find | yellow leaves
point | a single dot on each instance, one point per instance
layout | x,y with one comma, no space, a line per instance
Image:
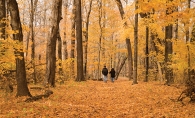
25,28
11,31
7,49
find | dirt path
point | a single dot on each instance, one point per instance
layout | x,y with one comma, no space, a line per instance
95,99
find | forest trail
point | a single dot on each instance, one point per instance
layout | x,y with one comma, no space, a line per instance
96,99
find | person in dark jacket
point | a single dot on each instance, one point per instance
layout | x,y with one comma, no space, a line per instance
105,73
112,74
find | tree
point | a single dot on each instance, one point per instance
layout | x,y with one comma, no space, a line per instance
22,89
147,54
86,37
128,42
33,7
51,42
72,53
193,34
59,53
80,76
2,19
100,15
188,41
135,44
65,52
168,49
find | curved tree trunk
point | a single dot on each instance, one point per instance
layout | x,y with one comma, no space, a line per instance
22,89
120,67
51,43
128,42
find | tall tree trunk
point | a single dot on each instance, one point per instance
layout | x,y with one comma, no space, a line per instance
51,43
65,51
80,76
86,38
193,34
31,32
22,89
176,26
33,42
168,53
100,38
135,44
65,54
59,54
2,18
147,54
72,53
168,50
128,43
129,58
188,42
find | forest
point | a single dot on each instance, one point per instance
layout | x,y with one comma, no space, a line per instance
52,53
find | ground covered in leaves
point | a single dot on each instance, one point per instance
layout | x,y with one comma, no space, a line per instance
95,99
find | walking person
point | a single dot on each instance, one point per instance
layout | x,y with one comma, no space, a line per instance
112,74
105,73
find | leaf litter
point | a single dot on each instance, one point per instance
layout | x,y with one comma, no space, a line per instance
96,99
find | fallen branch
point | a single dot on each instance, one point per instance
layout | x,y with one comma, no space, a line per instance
189,92
35,98
39,88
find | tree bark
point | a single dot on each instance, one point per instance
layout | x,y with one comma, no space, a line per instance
147,54
86,38
188,46
22,89
80,76
2,18
31,32
168,53
168,50
33,7
59,55
135,44
72,52
100,37
120,7
120,67
130,58
51,43
65,51
193,34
